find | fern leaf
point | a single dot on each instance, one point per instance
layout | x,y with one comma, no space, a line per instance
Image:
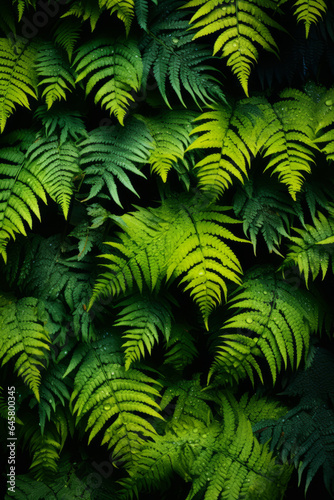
115,67
66,35
265,209
305,434
275,323
85,10
111,397
324,119
309,11
222,461
24,338
169,52
20,189
144,317
56,76
170,133
21,5
62,122
54,165
123,8
110,154
141,10
238,24
180,238
312,250
181,350
229,132
18,79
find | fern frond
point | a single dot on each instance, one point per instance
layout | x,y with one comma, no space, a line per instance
229,132
286,137
309,11
239,26
222,461
111,153
20,189
85,10
115,67
180,348
67,124
55,74
67,34
171,136
114,399
265,209
324,120
257,409
123,8
24,338
313,249
21,6
275,323
180,238
169,52
55,165
305,434
141,10
18,79
143,317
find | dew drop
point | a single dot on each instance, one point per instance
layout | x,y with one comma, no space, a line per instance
249,320
106,407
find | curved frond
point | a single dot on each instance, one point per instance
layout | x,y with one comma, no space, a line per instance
113,70
180,238
55,74
273,321
240,25
24,338
309,12
313,249
143,317
124,10
67,34
110,154
114,399
180,348
18,79
170,132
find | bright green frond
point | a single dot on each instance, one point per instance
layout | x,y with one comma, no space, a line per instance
182,238
109,157
55,74
240,25
313,249
113,70
22,4
54,164
309,12
324,120
23,338
170,132
115,400
123,8
20,189
143,317
87,10
18,79
228,135
274,321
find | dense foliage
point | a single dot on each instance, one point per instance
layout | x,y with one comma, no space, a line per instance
167,242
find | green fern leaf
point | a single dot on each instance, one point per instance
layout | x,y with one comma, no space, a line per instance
18,77
54,165
62,122
123,8
312,251
141,10
66,35
109,154
181,350
305,434
239,26
85,10
144,317
170,132
118,61
265,209
275,323
180,238
24,338
112,397
324,119
20,189
229,131
309,11
56,76
21,6
223,460
169,52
